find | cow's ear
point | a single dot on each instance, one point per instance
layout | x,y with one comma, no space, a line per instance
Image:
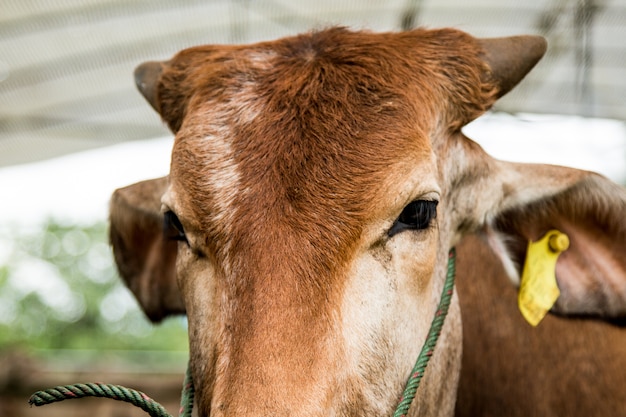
145,257
164,86
147,77
510,59
528,200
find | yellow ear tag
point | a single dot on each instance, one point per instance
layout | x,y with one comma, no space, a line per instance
538,289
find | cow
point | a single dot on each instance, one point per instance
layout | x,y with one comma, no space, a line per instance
317,184
566,366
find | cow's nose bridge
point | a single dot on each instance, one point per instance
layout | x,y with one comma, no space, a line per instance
415,376
271,349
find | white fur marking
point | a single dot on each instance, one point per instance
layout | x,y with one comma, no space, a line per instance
497,242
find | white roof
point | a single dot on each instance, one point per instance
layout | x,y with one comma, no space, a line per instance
66,66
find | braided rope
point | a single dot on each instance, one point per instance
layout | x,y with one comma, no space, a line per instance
431,340
119,393
188,394
115,392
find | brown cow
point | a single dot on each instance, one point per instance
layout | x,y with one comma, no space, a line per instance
564,367
317,183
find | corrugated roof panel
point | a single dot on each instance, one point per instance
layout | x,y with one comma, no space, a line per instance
66,66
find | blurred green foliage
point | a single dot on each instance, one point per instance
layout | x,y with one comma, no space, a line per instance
59,289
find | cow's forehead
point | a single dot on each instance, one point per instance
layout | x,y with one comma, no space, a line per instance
250,163
310,123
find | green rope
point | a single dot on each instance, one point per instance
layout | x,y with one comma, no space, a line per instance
431,340
116,392
187,396
154,409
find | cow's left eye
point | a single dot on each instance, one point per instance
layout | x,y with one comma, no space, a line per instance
173,228
417,215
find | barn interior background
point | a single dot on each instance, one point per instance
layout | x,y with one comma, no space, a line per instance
66,87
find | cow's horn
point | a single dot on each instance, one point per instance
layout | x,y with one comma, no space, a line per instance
147,78
511,58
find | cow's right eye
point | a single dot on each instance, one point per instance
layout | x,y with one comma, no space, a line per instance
173,228
418,215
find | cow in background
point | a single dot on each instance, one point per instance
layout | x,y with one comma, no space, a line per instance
566,366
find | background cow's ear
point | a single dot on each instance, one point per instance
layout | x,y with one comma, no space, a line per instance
590,209
145,258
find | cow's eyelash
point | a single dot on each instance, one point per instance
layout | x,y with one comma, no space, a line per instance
417,215
172,227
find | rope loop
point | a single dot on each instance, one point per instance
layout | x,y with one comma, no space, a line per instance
115,392
119,393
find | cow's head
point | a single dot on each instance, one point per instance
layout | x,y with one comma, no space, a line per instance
317,183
